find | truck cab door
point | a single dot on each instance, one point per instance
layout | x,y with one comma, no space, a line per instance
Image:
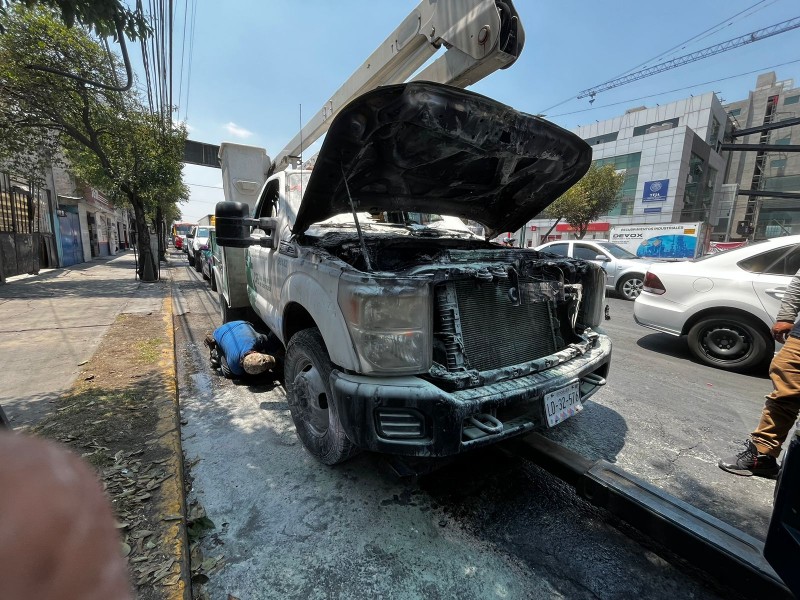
782,548
260,259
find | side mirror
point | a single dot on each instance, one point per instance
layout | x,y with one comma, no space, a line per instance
232,231
233,227
602,258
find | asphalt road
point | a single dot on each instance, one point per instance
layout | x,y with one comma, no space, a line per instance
486,526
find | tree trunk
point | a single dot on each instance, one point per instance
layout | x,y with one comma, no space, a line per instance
148,270
162,250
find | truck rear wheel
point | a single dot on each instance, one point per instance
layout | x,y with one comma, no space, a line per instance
228,314
307,379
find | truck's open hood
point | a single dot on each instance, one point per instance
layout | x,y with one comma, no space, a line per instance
426,147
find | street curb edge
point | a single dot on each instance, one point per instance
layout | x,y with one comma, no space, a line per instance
174,489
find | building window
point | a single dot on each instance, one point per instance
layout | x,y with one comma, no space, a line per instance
791,99
708,188
629,163
735,112
784,141
602,139
693,195
653,127
714,132
778,163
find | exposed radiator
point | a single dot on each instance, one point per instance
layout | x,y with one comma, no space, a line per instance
483,328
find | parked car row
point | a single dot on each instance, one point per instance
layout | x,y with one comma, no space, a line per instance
198,249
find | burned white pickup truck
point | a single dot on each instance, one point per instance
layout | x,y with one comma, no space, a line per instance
405,332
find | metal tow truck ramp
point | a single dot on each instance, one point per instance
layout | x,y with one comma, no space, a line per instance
724,552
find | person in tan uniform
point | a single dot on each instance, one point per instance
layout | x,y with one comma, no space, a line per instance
783,405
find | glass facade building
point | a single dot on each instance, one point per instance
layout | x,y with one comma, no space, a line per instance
670,158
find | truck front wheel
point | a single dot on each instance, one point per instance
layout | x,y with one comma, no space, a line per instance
307,377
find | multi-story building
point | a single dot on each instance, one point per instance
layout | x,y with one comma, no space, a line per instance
671,161
777,171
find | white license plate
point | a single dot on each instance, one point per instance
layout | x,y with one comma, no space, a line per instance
562,404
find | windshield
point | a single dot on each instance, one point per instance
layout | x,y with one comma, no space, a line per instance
415,222
616,251
296,184
202,232
182,229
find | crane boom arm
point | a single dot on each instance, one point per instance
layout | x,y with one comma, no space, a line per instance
480,37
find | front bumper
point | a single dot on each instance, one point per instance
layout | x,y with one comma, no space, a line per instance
413,417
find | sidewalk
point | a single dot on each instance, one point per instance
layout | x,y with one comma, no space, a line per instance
89,361
52,323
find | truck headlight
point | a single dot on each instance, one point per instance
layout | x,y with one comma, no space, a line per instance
390,324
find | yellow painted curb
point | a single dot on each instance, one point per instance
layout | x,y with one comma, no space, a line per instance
168,431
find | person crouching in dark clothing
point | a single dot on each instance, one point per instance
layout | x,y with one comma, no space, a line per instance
239,350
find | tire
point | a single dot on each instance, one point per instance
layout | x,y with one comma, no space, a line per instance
730,342
630,286
228,314
190,258
213,281
307,370
198,263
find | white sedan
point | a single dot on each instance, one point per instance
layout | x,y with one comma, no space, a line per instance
724,303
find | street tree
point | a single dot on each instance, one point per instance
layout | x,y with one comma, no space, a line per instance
104,17
110,139
594,195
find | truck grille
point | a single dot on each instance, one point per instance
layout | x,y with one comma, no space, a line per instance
483,329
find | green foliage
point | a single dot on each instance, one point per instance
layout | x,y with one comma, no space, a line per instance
110,139
102,16
594,195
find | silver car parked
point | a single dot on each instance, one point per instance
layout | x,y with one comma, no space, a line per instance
624,271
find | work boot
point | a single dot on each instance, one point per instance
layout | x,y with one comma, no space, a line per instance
751,462
210,342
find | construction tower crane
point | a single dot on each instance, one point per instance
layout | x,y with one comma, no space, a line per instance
742,40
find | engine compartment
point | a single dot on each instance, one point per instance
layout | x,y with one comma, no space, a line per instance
499,312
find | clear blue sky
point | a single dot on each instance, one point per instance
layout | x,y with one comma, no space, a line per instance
254,62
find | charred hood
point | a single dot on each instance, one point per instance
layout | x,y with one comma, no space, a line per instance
427,147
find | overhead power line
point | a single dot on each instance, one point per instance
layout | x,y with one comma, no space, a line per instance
737,42
710,31
702,35
686,87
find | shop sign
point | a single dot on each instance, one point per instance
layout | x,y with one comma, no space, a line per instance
566,227
655,191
